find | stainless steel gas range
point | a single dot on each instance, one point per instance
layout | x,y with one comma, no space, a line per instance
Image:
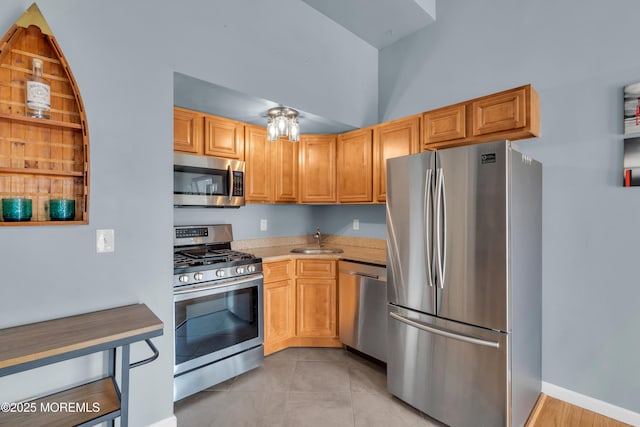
218,318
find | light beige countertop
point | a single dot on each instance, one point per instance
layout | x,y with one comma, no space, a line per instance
355,248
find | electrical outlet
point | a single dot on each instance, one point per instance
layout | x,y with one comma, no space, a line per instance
356,224
105,241
263,225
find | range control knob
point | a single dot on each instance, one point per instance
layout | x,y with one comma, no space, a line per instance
220,273
183,279
240,270
251,268
198,276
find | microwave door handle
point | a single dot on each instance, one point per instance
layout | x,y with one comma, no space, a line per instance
230,172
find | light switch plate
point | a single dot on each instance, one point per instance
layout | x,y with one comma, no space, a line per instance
263,225
105,241
356,224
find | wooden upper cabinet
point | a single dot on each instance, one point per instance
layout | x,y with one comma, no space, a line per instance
317,169
187,131
504,111
223,137
259,165
511,114
393,139
272,168
444,124
355,166
286,158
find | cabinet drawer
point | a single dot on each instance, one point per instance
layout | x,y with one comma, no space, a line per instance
444,124
316,268
505,111
277,270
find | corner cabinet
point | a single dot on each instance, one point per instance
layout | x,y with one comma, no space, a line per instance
38,344
300,304
41,159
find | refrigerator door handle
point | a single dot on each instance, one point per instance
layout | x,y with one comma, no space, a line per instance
441,232
426,224
445,333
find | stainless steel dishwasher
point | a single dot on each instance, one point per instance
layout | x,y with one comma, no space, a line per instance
362,301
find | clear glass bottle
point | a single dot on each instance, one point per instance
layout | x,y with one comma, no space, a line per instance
38,93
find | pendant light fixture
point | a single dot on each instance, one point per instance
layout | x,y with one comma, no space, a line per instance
283,121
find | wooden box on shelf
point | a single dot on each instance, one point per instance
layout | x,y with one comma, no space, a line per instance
41,159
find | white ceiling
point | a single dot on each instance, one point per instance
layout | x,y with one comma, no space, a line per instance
378,22
199,95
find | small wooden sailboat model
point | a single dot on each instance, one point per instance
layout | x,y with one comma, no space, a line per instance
41,159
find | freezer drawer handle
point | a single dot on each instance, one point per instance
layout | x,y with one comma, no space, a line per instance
443,333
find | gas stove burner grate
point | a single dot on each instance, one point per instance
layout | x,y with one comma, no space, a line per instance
205,256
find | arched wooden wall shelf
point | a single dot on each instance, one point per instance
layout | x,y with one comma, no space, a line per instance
41,159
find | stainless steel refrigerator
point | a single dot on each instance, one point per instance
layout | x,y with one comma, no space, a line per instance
464,283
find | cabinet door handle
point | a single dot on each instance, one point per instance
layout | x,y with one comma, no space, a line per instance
356,273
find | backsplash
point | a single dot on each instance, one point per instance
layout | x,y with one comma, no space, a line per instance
290,220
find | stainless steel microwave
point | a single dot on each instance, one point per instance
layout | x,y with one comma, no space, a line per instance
207,181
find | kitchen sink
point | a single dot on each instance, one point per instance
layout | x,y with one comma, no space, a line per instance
316,251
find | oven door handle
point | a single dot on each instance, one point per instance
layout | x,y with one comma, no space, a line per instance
216,288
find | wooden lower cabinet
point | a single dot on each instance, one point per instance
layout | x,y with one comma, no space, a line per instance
279,305
279,315
316,308
300,304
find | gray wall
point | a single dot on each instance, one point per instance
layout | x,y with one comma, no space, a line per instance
282,220
578,55
339,220
123,55
290,220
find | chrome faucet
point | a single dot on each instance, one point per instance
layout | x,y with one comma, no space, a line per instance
318,237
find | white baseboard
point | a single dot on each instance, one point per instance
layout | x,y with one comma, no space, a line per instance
172,421
595,405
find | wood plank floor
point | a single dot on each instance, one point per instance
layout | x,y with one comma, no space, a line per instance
550,412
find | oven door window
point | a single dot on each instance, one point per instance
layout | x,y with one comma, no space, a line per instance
200,183
207,324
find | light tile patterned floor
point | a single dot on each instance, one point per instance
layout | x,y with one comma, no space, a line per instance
302,387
